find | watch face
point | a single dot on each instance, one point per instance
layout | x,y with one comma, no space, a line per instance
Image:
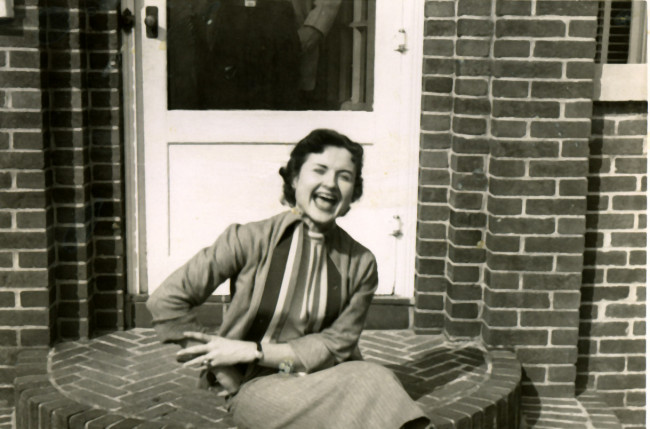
286,366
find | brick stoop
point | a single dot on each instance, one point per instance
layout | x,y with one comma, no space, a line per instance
129,380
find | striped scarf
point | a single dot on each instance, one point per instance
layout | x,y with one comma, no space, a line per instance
302,293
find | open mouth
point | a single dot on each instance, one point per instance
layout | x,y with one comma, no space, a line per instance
325,201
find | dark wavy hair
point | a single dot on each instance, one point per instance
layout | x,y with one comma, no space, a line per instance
316,142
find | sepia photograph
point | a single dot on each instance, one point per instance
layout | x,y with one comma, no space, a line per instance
315,214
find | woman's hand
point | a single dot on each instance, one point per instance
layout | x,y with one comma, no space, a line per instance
216,351
228,377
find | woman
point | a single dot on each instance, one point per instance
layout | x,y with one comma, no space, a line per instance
301,287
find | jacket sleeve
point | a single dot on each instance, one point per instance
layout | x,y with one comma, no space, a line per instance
337,343
173,304
322,16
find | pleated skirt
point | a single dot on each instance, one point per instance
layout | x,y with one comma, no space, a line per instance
354,395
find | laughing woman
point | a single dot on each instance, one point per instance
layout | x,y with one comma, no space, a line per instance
287,350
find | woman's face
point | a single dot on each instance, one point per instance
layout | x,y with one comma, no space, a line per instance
324,186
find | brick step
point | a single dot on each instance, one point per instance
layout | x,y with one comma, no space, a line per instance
129,380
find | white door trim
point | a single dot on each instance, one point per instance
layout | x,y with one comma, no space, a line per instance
411,123
134,207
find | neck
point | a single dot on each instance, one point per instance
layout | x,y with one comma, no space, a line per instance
312,226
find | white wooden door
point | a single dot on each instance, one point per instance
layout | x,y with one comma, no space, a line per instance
206,169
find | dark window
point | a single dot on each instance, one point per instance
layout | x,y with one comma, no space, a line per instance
270,54
621,32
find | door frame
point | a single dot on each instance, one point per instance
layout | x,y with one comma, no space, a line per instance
134,201
135,246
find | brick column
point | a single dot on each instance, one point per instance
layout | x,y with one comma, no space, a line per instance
83,81
433,210
106,161
468,162
541,90
70,156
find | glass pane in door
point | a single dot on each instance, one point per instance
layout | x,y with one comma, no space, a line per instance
270,54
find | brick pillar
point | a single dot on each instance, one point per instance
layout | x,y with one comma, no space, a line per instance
106,161
433,210
470,127
83,83
70,156
541,92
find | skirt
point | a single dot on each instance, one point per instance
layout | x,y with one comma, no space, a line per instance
355,395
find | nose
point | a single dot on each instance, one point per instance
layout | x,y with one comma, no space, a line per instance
329,180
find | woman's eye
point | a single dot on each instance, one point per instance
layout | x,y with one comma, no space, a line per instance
319,170
346,177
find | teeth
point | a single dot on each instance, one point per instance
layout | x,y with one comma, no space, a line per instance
327,197
325,203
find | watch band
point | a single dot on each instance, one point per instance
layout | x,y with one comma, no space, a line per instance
260,353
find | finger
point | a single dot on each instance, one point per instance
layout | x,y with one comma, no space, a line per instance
194,350
187,357
196,362
200,336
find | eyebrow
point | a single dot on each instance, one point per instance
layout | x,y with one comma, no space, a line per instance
338,171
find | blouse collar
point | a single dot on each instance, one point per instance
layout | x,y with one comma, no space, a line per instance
297,216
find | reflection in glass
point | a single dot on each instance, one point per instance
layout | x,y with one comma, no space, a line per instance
270,54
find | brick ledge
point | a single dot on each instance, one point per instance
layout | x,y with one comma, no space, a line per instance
459,385
386,312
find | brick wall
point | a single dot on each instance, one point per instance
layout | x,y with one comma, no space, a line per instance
60,171
26,253
505,127
612,313
538,170
61,245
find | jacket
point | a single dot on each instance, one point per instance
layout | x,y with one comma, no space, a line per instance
243,254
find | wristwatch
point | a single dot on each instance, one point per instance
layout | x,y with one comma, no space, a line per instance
260,353
286,366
